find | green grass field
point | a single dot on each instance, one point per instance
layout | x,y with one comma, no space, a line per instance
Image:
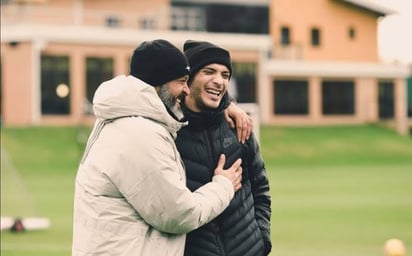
337,191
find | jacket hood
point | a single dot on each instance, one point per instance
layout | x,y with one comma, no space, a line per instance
125,96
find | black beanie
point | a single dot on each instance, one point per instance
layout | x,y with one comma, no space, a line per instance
201,53
158,62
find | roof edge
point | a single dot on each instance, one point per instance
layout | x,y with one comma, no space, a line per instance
131,37
343,69
369,5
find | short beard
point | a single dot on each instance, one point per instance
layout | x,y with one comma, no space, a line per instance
170,102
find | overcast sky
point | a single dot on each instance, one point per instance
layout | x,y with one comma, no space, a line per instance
395,32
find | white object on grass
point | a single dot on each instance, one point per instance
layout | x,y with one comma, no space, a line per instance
29,223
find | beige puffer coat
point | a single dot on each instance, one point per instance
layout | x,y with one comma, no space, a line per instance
130,192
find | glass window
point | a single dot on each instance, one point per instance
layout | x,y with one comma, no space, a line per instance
290,97
188,18
285,36
338,97
216,17
315,37
238,19
386,99
242,84
98,70
55,85
409,98
112,21
352,33
147,23
1,88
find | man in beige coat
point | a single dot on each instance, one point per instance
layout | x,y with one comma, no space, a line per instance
130,193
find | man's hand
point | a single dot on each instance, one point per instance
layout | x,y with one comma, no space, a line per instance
234,173
239,119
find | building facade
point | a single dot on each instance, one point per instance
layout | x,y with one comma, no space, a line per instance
296,70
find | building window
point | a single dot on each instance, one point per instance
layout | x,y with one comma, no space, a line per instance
409,98
242,85
231,18
352,33
1,88
285,36
338,98
55,85
112,21
188,18
147,23
386,100
98,70
291,97
220,17
315,37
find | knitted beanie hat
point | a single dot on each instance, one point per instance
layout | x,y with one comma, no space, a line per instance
201,53
158,62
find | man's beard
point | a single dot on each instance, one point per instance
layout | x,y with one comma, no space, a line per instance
170,102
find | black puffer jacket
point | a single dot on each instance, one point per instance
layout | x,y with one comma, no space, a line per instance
243,229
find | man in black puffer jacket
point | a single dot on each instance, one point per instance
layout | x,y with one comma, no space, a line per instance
243,229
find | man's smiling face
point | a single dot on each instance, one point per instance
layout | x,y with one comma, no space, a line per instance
208,87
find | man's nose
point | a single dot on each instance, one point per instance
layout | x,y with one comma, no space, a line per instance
218,79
